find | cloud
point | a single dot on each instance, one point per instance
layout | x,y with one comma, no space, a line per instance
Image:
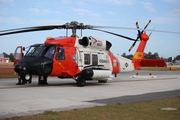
118,2
176,12
111,13
44,12
66,1
6,1
148,6
11,20
46,21
20,21
165,20
3,10
172,1
39,12
122,2
84,12
82,3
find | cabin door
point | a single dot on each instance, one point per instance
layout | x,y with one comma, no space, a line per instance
18,54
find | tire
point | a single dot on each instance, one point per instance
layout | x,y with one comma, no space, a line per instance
28,80
80,81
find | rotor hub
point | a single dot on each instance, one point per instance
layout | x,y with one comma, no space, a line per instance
144,36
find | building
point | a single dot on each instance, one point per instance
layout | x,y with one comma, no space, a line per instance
177,62
3,59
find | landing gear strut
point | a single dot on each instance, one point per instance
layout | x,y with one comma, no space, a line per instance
42,80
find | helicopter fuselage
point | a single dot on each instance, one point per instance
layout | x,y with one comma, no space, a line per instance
69,57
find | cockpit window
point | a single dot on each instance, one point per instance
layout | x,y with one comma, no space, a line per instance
34,51
46,51
49,52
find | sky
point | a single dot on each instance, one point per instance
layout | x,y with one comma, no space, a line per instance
164,15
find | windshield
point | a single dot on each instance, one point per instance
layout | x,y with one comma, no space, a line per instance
46,51
35,51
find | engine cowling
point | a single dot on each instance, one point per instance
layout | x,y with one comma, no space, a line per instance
94,43
84,41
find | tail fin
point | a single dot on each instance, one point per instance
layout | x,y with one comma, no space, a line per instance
140,50
139,54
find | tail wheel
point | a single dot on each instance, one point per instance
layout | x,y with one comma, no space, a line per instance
102,81
80,81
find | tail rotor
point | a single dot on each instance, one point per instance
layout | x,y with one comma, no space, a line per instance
139,34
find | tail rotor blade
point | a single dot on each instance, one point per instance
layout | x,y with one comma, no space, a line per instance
139,33
138,36
147,24
131,48
137,26
132,45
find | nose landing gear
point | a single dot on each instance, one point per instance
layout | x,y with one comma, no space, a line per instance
24,78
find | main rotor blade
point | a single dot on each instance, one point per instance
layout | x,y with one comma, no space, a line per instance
75,25
114,34
130,28
30,29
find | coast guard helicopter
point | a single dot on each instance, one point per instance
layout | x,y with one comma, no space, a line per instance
81,58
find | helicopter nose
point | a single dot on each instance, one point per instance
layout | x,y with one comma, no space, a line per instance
20,68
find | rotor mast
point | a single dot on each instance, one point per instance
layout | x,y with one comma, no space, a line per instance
74,25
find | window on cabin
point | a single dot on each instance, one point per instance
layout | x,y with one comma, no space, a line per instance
86,58
60,54
94,59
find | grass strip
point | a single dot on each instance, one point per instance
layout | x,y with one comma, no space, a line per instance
149,110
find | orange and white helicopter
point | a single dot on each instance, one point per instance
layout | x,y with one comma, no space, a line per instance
81,58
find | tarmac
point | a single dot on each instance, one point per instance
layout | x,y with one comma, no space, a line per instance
63,94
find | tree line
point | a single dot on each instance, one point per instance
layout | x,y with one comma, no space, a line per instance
10,56
146,56
153,56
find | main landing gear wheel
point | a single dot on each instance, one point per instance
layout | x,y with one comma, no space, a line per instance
42,80
80,81
102,81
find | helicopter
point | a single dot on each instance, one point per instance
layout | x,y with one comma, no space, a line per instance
83,58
